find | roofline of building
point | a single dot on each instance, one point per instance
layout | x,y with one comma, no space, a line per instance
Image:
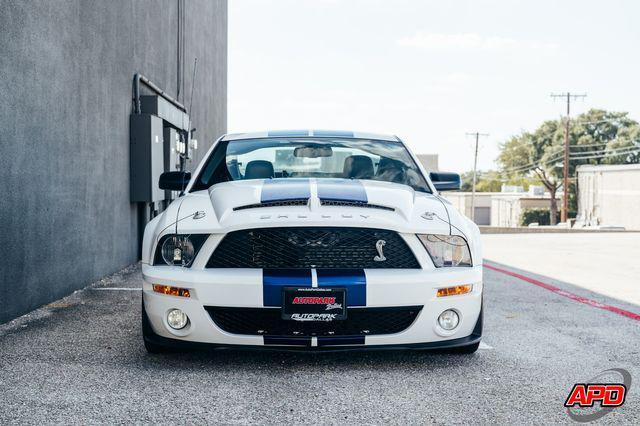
504,195
607,167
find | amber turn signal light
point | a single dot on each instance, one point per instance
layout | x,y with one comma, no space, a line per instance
455,290
171,291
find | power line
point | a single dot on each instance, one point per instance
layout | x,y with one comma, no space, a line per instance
534,163
613,154
596,151
627,151
531,166
475,164
552,132
565,179
556,151
604,149
575,145
578,156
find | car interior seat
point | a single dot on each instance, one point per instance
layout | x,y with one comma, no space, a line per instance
390,170
259,169
358,167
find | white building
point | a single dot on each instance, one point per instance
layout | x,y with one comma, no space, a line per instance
429,161
609,195
499,208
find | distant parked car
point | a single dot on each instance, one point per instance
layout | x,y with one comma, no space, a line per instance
315,240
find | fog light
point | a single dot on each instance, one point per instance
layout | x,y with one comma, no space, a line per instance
455,290
448,320
177,319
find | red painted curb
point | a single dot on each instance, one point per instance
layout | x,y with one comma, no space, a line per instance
561,292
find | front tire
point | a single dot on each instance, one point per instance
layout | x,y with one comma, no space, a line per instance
148,335
152,348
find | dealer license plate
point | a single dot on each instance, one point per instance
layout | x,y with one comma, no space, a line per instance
314,304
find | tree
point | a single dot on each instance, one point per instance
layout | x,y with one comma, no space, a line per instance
492,181
536,153
489,181
595,137
606,137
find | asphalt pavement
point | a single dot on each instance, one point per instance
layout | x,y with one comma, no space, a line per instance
603,262
81,361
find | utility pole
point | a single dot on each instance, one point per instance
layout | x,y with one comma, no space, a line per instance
475,165
565,178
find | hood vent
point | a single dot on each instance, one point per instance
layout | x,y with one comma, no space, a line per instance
279,203
344,203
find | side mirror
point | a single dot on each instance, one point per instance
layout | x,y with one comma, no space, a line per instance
174,181
444,181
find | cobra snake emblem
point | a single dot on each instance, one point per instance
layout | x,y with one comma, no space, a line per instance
379,247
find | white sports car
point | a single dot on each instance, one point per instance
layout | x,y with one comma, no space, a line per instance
315,240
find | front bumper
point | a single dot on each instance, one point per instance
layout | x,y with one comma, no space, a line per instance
244,288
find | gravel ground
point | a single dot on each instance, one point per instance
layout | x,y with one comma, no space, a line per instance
81,361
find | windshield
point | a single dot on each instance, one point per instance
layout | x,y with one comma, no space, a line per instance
311,158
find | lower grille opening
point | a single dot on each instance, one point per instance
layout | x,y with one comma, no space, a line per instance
267,321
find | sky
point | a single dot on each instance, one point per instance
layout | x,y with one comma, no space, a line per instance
429,71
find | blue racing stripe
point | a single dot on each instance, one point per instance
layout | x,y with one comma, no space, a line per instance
340,340
286,340
285,189
341,190
354,280
288,133
273,280
333,133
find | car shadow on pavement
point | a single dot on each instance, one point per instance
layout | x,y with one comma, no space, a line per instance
274,359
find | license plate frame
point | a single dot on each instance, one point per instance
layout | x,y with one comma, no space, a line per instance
314,304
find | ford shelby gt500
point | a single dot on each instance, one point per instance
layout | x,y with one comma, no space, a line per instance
314,240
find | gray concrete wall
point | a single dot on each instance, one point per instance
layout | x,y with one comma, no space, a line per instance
65,87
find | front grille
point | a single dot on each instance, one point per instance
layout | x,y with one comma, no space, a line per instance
338,203
305,248
267,321
280,203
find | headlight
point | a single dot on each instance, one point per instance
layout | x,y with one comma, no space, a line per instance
447,250
178,250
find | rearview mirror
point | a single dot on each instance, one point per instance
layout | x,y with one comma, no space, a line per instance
174,181
312,151
445,181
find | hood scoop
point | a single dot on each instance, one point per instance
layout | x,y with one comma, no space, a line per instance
345,203
277,203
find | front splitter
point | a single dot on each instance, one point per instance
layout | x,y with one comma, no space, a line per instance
153,338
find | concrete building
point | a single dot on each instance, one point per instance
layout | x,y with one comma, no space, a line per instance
66,72
462,202
507,209
609,195
429,161
498,208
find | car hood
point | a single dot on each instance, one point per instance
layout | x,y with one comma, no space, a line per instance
263,203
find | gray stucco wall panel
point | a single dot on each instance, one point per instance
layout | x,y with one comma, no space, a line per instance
65,80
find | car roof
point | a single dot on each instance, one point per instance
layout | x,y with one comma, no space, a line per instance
345,134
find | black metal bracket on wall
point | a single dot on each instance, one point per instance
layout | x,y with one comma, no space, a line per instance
139,78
